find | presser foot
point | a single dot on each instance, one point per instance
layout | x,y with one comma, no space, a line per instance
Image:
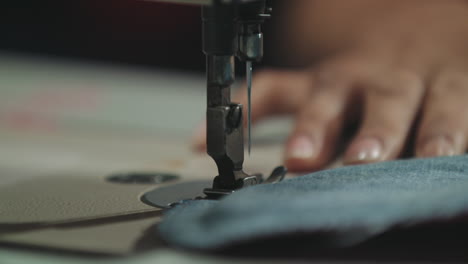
276,175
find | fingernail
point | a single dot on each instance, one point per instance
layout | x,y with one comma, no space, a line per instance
301,147
364,150
438,146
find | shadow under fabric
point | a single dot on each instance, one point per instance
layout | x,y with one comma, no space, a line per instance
416,202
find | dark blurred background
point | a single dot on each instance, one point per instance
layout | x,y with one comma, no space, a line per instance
142,33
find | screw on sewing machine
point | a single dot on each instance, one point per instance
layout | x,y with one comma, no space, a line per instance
234,117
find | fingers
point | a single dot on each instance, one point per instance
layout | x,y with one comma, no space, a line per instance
390,107
443,127
273,93
319,123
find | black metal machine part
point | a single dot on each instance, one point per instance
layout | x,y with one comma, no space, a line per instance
276,175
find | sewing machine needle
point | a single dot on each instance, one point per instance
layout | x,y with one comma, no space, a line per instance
249,97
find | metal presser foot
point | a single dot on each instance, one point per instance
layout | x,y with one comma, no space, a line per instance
276,175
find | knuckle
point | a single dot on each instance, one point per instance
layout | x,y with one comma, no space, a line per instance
408,79
318,111
329,76
402,84
453,83
340,70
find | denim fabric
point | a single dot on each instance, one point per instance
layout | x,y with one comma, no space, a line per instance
368,198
